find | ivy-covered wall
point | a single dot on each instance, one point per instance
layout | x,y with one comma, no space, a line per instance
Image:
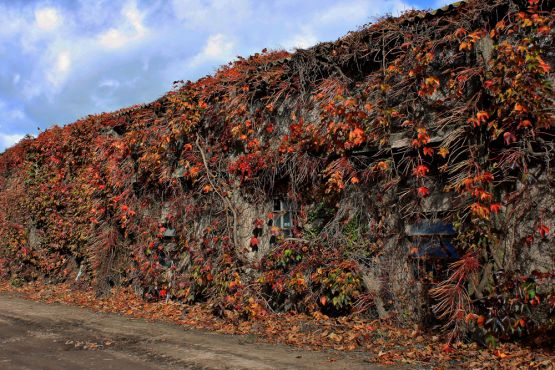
415,156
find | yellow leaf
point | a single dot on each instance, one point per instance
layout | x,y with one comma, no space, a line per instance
443,151
464,46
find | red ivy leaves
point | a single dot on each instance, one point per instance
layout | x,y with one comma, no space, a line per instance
421,170
509,138
428,151
429,86
495,207
480,210
481,117
543,230
482,195
485,177
422,138
423,191
356,138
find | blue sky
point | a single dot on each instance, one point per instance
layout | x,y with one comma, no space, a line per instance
62,60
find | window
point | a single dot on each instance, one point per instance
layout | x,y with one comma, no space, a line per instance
283,216
432,240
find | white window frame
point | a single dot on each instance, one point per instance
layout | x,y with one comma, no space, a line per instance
281,212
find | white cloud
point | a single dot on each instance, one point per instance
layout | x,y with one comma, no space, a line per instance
13,114
304,39
47,19
53,55
399,7
440,3
218,48
344,11
16,114
113,38
7,140
31,90
133,29
30,27
199,14
348,12
60,69
63,59
63,62
12,21
134,17
109,83
360,11
146,64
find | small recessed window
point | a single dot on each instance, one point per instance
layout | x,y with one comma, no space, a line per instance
283,216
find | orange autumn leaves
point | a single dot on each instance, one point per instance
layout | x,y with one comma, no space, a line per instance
470,39
480,118
356,137
429,86
475,186
421,170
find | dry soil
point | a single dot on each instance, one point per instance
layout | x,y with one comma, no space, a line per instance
36,335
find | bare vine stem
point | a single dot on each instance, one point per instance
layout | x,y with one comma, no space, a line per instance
226,200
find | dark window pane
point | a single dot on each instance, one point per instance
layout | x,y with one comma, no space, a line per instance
287,220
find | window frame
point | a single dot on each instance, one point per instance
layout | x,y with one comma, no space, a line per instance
281,211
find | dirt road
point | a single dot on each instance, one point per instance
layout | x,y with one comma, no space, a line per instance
42,336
